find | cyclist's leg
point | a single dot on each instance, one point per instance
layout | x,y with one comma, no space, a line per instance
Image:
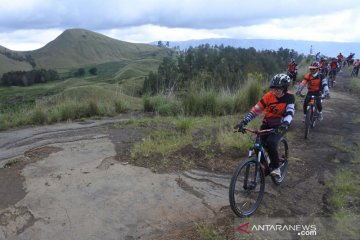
271,145
306,102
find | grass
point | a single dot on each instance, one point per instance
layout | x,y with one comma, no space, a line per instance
345,188
163,142
12,162
73,103
345,199
345,226
355,83
167,135
206,232
341,147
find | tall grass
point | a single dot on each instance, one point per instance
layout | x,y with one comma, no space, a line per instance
162,105
225,102
71,104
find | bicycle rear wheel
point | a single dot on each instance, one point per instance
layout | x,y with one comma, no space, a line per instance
283,151
247,188
308,122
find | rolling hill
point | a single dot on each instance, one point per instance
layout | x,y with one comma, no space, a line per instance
77,48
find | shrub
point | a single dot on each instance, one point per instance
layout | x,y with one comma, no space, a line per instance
93,109
119,106
162,105
38,116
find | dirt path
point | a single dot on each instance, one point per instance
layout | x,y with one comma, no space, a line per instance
73,182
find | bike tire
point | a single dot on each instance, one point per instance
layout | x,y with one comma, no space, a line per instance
308,122
283,151
245,194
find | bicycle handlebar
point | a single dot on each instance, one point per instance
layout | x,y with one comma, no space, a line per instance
261,132
322,96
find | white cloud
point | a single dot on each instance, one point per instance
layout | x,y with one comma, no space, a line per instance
28,39
151,33
147,21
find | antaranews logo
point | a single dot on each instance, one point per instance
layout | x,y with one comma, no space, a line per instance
302,230
244,228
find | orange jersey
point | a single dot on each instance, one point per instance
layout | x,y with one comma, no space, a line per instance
340,57
292,67
276,109
333,65
314,84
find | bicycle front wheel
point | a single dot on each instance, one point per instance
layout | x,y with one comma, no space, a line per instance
247,188
308,122
283,151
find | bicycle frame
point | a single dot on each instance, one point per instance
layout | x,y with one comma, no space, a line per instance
311,113
259,150
331,78
313,106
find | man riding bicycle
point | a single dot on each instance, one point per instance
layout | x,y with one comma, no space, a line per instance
292,70
316,84
323,66
279,107
334,67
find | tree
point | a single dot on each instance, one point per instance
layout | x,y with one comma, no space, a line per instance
80,72
93,71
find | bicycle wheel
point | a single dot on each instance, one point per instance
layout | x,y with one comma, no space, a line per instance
308,122
283,151
247,188
314,118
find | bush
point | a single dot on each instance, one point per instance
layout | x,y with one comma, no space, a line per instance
38,117
248,96
119,106
93,109
162,105
204,103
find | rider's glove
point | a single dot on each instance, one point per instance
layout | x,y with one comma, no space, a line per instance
283,127
240,127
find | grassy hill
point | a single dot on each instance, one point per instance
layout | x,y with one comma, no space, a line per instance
9,61
79,47
76,48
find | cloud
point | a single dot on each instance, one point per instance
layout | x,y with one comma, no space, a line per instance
34,23
200,14
28,39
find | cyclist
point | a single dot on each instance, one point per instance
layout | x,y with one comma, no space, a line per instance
349,59
339,59
279,107
356,67
333,67
323,66
316,84
292,70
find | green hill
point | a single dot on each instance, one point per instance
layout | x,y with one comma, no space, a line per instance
76,48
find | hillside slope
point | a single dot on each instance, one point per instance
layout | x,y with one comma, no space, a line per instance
79,47
8,64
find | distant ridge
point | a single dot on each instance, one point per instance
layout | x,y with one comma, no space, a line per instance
324,47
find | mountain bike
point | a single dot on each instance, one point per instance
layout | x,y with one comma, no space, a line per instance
247,186
312,113
331,79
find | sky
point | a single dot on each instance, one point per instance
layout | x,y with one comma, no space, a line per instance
31,24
